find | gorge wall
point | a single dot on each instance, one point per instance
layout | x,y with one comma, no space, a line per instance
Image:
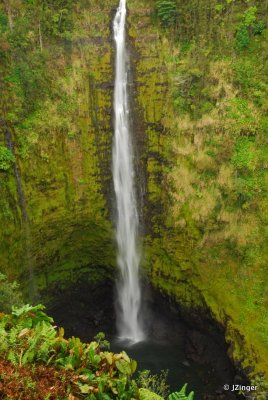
58,110
206,164
200,120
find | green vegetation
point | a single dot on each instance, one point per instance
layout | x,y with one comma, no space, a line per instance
51,74
207,164
181,395
201,103
154,383
166,11
262,385
6,158
249,25
28,338
10,294
30,341
146,394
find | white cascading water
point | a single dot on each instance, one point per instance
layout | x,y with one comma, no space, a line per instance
128,286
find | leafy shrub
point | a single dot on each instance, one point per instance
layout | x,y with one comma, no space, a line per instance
9,294
245,156
258,27
102,342
146,394
166,11
219,7
248,24
249,16
6,158
28,337
154,383
262,385
242,37
3,22
155,387
181,395
30,341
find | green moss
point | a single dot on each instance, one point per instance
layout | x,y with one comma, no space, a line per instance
205,168
63,150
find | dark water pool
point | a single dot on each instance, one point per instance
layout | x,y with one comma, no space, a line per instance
192,352
157,356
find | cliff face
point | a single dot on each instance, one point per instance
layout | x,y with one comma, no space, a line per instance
202,89
199,88
57,112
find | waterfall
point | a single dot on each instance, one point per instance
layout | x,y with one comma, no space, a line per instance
128,286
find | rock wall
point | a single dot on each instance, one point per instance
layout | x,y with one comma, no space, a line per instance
63,155
205,133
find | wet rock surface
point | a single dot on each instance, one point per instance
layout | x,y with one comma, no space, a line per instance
85,310
203,350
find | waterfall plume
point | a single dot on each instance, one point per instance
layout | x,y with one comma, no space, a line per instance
128,286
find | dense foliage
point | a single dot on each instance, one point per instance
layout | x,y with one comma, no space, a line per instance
10,294
6,158
28,339
154,383
28,29
166,11
48,366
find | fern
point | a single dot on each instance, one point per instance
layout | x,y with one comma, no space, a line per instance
28,337
181,395
3,336
28,356
31,314
13,357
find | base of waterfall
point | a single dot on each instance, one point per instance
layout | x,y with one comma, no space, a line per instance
130,331
129,341
170,356
190,347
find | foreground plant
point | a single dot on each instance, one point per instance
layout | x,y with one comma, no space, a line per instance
29,340
154,383
38,362
181,395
